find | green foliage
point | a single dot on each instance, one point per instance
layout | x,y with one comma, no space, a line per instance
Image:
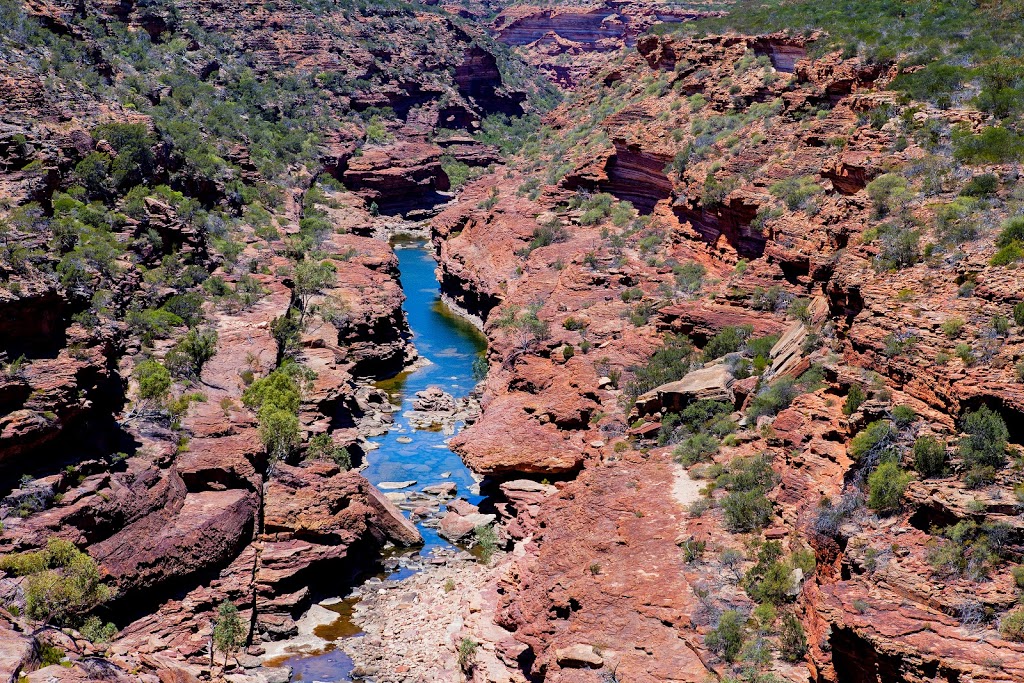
981,185
1010,242
969,550
93,173
903,416
952,327
773,398
467,651
889,193
986,435
228,630
154,380
487,539
1011,626
872,443
854,398
993,145
459,173
189,355
667,364
792,640
96,631
770,580
695,448
276,399
886,486
729,340
796,192
689,276
726,639
322,447
746,508
151,324
545,235
135,159
508,133
63,584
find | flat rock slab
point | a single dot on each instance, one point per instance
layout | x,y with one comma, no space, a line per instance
446,489
455,527
392,485
578,655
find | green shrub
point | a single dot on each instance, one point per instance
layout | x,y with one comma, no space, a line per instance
189,355
792,640
746,510
276,399
854,398
547,234
689,276
93,173
63,584
873,442
669,363
929,456
1011,626
467,652
726,639
796,192
1018,575
889,193
95,631
729,340
772,399
154,380
695,448
886,486
982,185
770,580
994,145
985,440
487,539
1018,313
903,416
152,324
631,294
952,327
135,160
322,447
228,630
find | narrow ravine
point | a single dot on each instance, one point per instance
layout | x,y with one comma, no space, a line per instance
404,462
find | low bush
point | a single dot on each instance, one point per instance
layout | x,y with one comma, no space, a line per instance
729,340
994,145
63,584
872,443
669,363
985,440
854,398
154,380
929,457
889,194
886,486
773,398
1011,626
726,639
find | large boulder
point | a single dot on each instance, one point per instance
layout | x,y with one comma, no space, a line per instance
711,383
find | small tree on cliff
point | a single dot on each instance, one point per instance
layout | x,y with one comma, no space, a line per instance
228,632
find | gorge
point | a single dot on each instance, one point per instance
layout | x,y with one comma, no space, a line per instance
511,342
